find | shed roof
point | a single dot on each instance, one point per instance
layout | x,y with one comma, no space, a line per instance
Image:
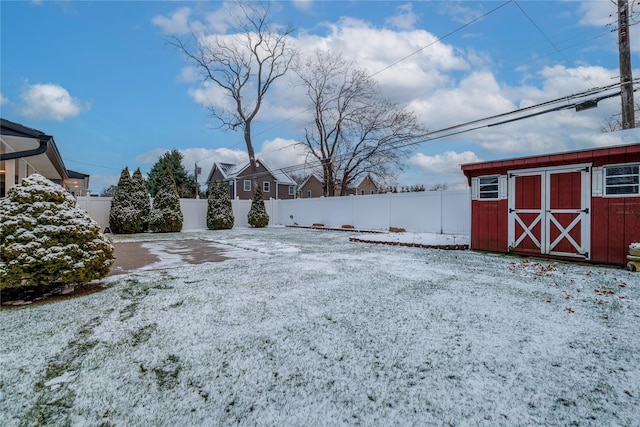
598,155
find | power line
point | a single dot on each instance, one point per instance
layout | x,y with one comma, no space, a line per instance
549,40
437,40
569,102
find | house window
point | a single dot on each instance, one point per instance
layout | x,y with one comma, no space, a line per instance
266,187
291,190
622,180
488,187
309,194
247,185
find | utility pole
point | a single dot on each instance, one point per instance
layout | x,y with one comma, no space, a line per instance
626,78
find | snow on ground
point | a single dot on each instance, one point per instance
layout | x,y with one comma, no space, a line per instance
317,330
425,239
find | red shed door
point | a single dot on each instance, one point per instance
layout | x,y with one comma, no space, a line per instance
526,213
549,211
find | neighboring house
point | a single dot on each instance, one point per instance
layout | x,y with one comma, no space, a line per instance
274,184
366,186
311,186
582,205
77,184
24,151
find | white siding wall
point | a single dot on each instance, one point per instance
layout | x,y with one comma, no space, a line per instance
447,212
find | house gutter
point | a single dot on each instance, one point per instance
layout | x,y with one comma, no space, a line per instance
44,144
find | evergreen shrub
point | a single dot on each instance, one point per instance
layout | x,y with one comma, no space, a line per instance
219,209
126,215
258,216
46,240
166,216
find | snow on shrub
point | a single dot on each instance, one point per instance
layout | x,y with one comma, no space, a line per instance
219,209
141,198
127,214
166,216
634,245
45,239
258,216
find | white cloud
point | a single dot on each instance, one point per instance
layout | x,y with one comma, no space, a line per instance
459,12
150,157
282,153
189,74
597,13
3,100
304,5
404,19
50,101
604,14
176,23
446,164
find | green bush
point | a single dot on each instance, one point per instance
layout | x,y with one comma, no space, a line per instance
46,240
127,214
258,216
141,198
219,209
166,216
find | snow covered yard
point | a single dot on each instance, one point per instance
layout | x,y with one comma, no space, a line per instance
308,328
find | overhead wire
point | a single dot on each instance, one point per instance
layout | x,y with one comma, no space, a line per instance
568,102
549,40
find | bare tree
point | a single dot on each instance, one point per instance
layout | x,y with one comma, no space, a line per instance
355,131
244,63
614,122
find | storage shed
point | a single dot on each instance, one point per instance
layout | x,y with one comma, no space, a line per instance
583,205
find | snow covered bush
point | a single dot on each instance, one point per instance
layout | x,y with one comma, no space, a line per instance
219,209
127,215
45,239
258,216
141,197
166,216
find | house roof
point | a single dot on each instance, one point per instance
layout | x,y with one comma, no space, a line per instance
304,181
224,168
17,138
356,184
279,175
76,175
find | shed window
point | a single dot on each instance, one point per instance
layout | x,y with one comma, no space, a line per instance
266,187
247,185
622,180
489,187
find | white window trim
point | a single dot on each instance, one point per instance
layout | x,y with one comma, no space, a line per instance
604,181
502,188
247,181
266,187
292,190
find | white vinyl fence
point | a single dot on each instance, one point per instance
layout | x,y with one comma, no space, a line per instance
446,212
